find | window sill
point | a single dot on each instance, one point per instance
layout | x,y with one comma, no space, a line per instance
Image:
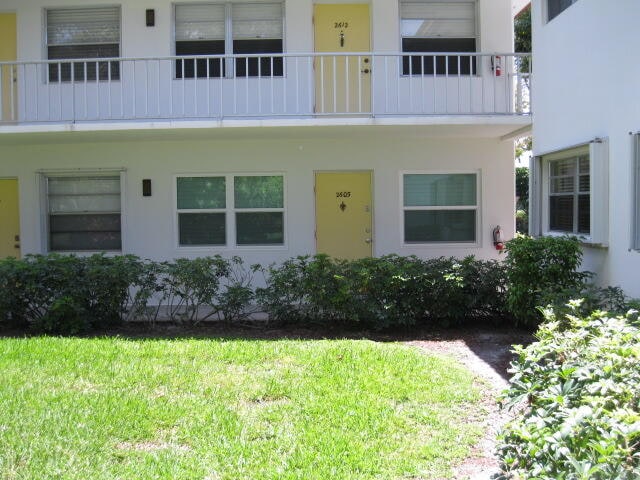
584,241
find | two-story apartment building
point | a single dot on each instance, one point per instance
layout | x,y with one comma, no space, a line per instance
586,132
261,128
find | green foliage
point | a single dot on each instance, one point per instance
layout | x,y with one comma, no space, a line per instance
576,394
538,269
68,294
383,292
522,197
522,35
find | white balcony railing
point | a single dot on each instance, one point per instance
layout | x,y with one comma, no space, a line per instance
264,86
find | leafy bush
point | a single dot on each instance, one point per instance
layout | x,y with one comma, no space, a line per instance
383,292
577,400
68,294
538,270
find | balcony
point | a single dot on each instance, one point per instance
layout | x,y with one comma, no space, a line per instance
264,87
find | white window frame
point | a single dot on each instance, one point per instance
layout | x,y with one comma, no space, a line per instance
598,152
44,195
46,44
230,211
573,156
228,34
477,207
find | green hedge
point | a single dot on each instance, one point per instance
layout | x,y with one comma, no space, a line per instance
69,294
577,400
383,292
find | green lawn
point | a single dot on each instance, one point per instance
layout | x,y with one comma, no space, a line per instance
230,409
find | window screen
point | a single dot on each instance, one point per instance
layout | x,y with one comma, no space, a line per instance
440,207
259,203
201,210
431,26
255,206
84,213
83,33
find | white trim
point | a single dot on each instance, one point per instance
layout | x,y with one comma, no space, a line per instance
230,214
477,243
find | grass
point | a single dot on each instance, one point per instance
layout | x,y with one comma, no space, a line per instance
229,409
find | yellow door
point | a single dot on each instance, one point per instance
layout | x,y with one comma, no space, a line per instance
343,83
9,219
343,214
7,72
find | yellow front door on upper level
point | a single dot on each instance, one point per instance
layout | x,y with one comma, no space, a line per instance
9,219
8,53
343,214
343,82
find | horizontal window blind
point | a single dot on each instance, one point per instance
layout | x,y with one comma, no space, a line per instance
200,22
257,20
84,213
438,19
76,26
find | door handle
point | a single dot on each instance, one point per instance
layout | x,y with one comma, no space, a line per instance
366,70
368,240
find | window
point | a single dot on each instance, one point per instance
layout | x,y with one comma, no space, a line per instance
556,7
83,33
636,151
255,29
569,195
84,213
437,26
440,207
239,210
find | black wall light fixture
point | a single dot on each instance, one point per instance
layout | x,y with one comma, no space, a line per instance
146,187
151,17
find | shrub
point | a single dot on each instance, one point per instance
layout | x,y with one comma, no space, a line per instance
538,270
577,400
383,292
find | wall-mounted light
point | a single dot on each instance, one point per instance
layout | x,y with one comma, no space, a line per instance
151,17
146,187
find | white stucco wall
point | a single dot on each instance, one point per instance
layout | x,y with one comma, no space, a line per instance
494,25
586,77
148,222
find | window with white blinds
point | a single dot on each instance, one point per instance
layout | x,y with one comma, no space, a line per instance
256,30
236,209
437,26
570,194
84,213
440,207
83,33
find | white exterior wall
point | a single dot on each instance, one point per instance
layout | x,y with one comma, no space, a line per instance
149,89
149,228
586,85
